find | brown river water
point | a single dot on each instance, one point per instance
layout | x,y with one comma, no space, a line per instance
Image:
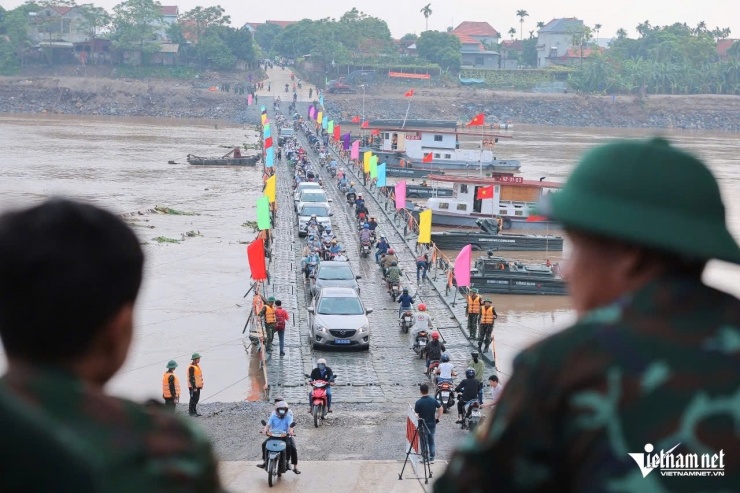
192,295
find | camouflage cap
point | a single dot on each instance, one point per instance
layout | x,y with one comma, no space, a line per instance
647,193
171,364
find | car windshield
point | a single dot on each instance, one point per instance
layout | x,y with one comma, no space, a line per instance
319,211
309,185
335,273
340,306
313,197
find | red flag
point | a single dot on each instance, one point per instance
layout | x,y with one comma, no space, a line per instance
256,256
409,93
478,120
427,158
355,119
534,218
484,193
365,124
337,132
375,131
268,142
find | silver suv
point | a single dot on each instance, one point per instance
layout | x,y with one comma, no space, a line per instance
338,318
332,274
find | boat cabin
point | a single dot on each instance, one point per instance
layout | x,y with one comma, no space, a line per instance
492,265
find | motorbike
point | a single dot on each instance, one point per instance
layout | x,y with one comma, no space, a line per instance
433,364
320,400
420,343
395,290
445,395
406,321
472,415
351,196
276,455
343,187
333,172
365,251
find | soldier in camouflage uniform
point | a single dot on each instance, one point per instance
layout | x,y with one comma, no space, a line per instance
69,277
652,361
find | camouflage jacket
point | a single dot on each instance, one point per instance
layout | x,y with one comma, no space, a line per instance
135,448
658,367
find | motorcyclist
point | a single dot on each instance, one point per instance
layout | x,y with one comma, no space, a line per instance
434,348
312,261
445,370
313,220
393,275
341,177
351,189
406,302
321,372
382,248
361,212
280,422
359,202
313,240
340,257
365,234
333,164
477,365
388,260
469,388
422,320
335,247
373,223
327,235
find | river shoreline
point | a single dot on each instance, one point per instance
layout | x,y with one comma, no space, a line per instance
181,99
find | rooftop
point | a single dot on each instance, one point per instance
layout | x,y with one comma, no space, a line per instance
416,124
566,25
496,179
468,40
481,29
170,10
575,52
282,24
512,45
723,45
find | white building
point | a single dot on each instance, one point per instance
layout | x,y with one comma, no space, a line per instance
555,39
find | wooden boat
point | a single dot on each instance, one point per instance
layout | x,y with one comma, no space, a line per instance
223,161
497,275
490,239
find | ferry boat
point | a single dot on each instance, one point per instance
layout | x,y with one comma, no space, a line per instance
422,191
514,199
491,274
489,238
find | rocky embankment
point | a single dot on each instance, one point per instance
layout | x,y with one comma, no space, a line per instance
191,99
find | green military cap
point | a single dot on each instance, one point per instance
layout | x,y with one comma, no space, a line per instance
195,356
487,300
647,193
474,290
172,364
271,299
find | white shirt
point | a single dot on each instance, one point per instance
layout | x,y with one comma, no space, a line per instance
340,258
445,370
422,321
496,392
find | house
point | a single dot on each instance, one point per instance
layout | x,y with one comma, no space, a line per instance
95,51
555,39
474,54
57,24
723,45
170,13
480,31
575,55
510,51
252,26
167,54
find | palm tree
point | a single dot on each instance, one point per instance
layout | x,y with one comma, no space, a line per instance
426,12
597,28
521,14
540,25
701,27
512,32
621,33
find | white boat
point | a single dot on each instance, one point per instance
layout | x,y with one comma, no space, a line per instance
514,199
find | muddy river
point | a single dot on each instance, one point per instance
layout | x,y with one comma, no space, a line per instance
192,295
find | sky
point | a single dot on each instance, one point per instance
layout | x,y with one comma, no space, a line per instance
403,16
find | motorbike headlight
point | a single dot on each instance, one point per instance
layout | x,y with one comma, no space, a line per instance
363,329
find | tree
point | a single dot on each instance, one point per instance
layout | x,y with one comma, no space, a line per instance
408,39
512,32
197,20
94,19
621,33
521,14
540,25
440,48
136,24
644,28
597,28
426,11
265,35
15,39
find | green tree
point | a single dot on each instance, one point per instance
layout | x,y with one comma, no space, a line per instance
408,39
426,11
135,25
512,32
15,40
597,28
197,20
529,52
540,25
621,33
265,35
94,20
213,51
521,14
440,48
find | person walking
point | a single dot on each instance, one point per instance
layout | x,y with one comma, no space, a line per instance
63,348
195,384
170,385
472,310
649,367
422,265
487,317
496,388
281,317
429,411
268,317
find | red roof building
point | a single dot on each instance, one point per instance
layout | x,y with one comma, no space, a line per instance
477,30
170,10
723,45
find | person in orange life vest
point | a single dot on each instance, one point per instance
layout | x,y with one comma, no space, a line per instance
487,316
269,319
472,310
195,384
281,316
170,385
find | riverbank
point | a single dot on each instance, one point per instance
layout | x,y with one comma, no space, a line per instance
70,94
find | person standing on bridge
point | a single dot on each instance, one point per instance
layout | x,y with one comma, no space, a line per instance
472,310
195,384
650,362
170,386
281,317
488,316
269,319
429,410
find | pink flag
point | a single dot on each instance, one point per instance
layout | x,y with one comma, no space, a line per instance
312,113
462,266
249,100
355,153
401,195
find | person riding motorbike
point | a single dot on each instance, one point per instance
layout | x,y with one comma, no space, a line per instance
422,320
445,370
434,348
335,247
321,372
313,220
469,388
327,235
381,247
365,235
312,261
340,257
340,175
351,189
373,223
388,260
280,422
393,275
361,212
342,183
406,302
359,202
313,240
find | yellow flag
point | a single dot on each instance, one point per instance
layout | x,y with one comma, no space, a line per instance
366,156
270,188
320,116
425,227
264,118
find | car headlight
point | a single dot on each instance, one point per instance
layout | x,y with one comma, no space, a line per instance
320,328
363,329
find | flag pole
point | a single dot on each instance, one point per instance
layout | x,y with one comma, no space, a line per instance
407,114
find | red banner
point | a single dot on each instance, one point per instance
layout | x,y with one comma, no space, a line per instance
404,75
256,256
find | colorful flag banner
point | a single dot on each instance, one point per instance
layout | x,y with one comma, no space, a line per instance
249,100
366,161
401,195
262,108
533,218
409,93
427,158
337,132
271,188
268,142
355,153
330,127
484,193
321,100
310,111
355,119
478,120
256,258
266,132
374,167
462,266
345,141
375,131
325,123
381,175
425,227
270,157
263,213
320,116
365,124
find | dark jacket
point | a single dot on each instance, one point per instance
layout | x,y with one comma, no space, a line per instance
316,374
469,388
434,350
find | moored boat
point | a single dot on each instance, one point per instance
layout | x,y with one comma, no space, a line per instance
492,274
423,192
490,239
223,161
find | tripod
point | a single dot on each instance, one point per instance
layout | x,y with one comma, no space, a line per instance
423,449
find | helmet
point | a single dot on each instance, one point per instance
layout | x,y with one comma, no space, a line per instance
435,335
352,183
382,236
171,364
422,307
321,361
359,196
487,300
313,216
474,354
405,290
596,199
470,373
334,240
311,237
278,398
281,405
391,251
271,299
366,226
445,358
341,169
195,356
395,264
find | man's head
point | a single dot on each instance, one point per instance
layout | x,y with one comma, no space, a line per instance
196,358
493,381
69,276
321,364
474,355
424,389
271,300
629,208
278,303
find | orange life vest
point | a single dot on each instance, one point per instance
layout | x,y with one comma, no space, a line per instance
270,315
166,386
198,377
486,315
474,304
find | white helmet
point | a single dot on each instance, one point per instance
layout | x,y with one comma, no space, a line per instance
281,405
321,361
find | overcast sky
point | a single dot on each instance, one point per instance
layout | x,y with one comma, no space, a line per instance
403,16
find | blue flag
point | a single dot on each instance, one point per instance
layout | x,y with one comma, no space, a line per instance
270,157
381,175
325,123
321,100
267,131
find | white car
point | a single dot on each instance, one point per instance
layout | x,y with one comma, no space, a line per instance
306,185
338,318
304,214
313,197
